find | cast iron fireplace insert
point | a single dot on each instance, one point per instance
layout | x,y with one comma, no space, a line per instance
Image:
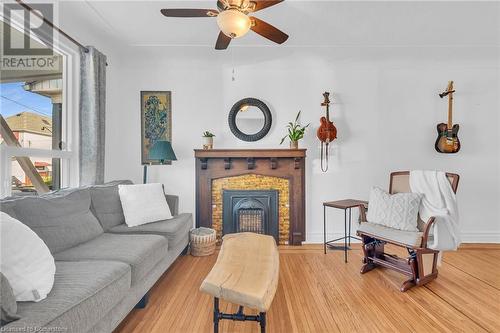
250,211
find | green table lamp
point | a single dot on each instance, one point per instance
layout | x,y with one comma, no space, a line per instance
161,151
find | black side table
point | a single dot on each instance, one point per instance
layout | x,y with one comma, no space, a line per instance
346,204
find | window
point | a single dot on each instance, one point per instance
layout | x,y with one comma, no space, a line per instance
37,150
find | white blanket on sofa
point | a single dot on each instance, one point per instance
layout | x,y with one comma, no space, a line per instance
439,201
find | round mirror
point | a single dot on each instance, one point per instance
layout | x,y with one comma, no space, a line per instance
250,119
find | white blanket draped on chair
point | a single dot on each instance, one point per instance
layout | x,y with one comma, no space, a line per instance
439,201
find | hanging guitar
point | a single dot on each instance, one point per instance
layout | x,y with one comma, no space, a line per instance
447,141
326,132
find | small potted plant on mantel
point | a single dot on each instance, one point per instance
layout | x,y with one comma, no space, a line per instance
295,133
208,140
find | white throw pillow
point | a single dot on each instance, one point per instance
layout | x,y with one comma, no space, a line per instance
398,211
143,203
25,260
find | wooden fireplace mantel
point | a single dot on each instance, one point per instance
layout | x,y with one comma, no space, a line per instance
284,163
244,153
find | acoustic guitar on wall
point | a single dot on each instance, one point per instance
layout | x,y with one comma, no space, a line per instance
447,141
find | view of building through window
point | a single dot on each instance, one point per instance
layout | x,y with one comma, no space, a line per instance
30,109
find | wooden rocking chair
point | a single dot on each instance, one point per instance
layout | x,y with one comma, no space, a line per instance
421,263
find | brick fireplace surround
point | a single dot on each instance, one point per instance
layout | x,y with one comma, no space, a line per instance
252,169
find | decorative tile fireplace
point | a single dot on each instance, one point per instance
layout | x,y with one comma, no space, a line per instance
220,171
250,211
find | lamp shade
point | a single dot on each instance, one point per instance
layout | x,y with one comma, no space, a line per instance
162,151
233,23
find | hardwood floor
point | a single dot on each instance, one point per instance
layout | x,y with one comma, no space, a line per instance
320,293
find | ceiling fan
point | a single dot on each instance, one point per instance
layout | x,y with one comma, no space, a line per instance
233,20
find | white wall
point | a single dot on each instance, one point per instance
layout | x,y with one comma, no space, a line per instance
385,107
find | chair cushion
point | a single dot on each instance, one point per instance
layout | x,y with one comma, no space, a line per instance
83,293
141,252
62,219
106,204
175,229
412,238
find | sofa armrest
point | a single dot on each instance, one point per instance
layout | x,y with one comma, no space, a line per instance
173,203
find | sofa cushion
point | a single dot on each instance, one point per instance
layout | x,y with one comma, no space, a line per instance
8,304
173,203
412,238
141,252
7,206
83,293
62,219
106,204
175,229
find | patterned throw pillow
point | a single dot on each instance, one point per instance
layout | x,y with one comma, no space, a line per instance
398,211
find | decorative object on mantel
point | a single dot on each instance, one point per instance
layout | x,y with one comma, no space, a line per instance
161,151
156,121
250,119
295,133
326,132
447,141
288,164
233,20
208,137
202,241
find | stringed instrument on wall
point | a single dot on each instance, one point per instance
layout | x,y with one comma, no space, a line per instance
447,141
327,132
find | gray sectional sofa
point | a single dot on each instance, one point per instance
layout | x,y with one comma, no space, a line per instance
103,267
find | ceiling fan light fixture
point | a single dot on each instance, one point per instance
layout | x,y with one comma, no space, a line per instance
233,23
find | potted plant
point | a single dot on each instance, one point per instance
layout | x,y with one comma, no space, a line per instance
295,133
208,140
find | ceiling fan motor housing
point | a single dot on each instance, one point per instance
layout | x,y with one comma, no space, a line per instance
245,6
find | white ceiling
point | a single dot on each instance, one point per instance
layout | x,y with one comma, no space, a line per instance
309,23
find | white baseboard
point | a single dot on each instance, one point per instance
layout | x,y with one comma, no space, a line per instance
317,238
467,237
481,237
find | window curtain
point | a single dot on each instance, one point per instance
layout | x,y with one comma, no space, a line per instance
92,116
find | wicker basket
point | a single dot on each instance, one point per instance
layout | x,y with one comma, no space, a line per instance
202,241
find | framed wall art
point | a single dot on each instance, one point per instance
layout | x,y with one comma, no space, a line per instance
156,121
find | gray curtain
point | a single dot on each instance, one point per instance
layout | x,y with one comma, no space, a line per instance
92,116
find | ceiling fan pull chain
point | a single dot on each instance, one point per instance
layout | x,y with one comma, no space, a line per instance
232,64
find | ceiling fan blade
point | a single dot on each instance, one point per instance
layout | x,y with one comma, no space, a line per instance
261,4
189,12
268,31
222,41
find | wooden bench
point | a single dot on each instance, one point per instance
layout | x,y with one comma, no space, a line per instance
246,273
